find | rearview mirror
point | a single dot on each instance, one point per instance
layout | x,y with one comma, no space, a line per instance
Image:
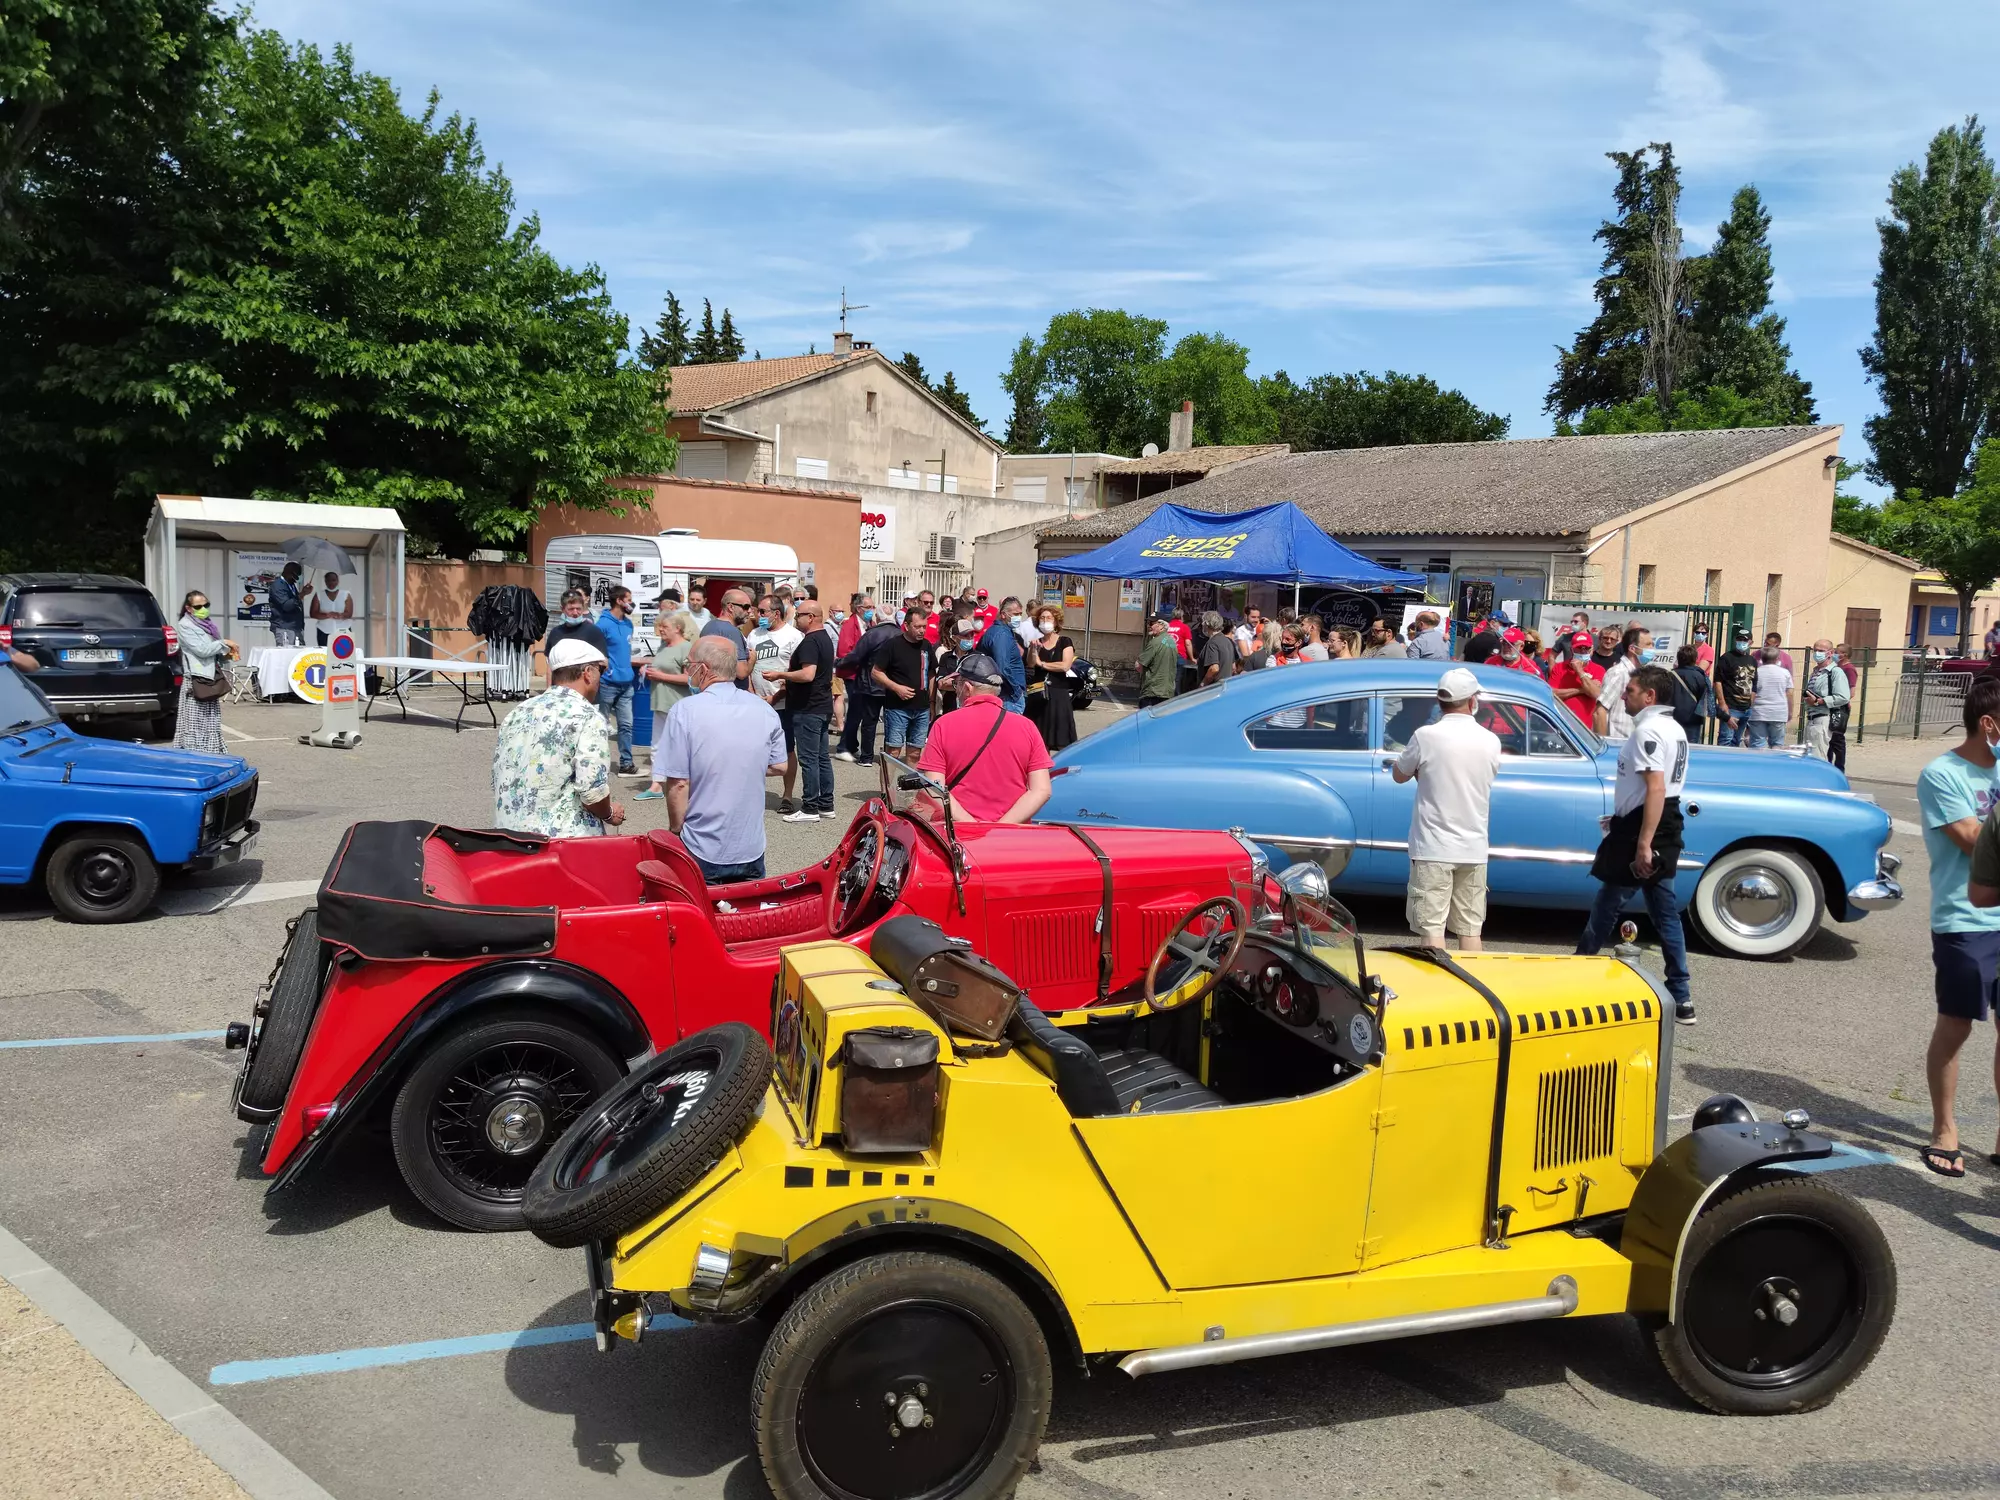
910,781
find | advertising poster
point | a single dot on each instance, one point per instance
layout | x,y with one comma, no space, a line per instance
1051,590
878,532
1131,594
250,575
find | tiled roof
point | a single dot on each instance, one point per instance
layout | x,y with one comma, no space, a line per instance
698,388
1195,460
1521,487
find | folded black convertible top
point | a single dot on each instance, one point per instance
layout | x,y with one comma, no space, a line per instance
373,899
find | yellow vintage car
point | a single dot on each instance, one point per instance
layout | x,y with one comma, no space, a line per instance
1281,1141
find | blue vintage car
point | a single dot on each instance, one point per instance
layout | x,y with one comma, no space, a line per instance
1298,759
97,821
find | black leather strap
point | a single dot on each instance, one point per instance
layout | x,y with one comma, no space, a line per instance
1104,964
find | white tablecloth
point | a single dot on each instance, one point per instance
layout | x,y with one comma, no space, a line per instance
274,669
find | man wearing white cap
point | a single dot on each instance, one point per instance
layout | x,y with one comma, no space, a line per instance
1453,760
552,765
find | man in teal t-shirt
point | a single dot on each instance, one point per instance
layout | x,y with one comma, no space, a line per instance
1956,793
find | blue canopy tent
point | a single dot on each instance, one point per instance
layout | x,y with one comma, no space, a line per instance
1271,544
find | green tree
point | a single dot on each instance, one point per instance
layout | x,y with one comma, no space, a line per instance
1091,379
728,342
668,342
1854,515
349,314
1213,372
1368,411
1734,341
1629,349
947,390
1935,357
707,347
1027,431
1958,535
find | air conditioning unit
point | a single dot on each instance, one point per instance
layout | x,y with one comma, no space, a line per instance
943,548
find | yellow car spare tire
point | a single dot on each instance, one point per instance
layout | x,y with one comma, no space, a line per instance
648,1139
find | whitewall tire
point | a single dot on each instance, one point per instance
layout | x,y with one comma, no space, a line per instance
1759,901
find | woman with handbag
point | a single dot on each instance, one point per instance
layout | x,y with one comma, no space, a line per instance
203,685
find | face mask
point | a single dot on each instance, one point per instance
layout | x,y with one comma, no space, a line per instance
1647,655
763,622
837,616
202,613
1819,656
868,615
1701,637
1046,625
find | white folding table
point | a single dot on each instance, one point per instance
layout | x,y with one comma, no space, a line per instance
398,670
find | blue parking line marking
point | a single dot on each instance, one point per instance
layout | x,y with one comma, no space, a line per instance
250,1371
105,1041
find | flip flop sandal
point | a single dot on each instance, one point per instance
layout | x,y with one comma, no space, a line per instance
1953,1161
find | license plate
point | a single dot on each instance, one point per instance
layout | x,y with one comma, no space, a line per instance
91,653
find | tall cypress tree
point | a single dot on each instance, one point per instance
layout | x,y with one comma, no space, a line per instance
728,342
1641,295
667,344
707,345
1935,357
1734,340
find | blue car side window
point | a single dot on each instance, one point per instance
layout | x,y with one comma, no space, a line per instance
1403,715
1341,724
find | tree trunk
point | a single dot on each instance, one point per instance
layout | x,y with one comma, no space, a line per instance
1965,598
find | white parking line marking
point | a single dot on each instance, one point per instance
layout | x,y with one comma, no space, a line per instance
250,1371
202,901
235,733
105,1041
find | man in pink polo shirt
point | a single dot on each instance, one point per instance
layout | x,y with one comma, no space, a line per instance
993,762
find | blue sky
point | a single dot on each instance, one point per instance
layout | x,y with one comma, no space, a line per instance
1339,187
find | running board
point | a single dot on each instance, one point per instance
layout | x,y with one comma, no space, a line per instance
1559,1302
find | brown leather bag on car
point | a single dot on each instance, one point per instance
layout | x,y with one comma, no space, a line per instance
960,990
888,1090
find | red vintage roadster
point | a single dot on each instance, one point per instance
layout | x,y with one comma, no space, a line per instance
477,989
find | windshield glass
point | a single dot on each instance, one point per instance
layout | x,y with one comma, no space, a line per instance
109,609
1325,929
22,705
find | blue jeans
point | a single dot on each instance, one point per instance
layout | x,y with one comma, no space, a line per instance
858,738
614,701
903,725
1728,729
1764,734
1665,910
727,874
815,761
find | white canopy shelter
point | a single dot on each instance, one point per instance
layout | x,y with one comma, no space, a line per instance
229,548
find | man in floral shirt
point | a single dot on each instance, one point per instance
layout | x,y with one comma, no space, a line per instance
552,766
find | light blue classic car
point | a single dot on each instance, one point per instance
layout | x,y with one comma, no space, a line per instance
1298,758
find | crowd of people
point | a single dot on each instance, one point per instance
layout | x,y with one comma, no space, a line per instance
977,695
1752,696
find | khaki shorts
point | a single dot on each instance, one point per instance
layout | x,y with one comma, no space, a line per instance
1446,898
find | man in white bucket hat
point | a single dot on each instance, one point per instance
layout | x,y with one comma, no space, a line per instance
552,765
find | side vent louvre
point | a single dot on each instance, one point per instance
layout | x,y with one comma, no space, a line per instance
1577,1115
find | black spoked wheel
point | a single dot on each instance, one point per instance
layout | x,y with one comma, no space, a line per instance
908,1376
102,877
648,1140
479,1112
1789,1292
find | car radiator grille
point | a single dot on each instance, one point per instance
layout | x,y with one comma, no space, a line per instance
1576,1118
236,807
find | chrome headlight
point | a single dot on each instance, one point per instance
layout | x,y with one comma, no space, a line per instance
1260,864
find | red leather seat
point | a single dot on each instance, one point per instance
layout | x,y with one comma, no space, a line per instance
444,878
658,883
671,852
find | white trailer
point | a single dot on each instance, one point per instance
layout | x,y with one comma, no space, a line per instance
679,559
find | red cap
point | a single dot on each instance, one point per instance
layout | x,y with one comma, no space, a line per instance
982,593
1514,636
1582,641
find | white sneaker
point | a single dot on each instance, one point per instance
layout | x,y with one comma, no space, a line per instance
799,817
843,755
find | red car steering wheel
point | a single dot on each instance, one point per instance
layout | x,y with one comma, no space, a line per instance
859,863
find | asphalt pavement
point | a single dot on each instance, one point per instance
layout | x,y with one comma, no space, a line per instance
388,1356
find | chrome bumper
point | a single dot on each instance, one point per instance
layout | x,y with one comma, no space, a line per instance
1883,891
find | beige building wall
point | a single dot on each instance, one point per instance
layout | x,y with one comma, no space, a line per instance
1054,477
864,421
1726,541
1862,580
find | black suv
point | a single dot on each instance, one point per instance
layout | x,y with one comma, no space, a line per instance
104,648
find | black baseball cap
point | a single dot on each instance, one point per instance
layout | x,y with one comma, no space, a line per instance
977,666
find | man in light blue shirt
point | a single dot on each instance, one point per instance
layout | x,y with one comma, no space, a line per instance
720,746
614,693
1001,643
1427,642
1955,793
